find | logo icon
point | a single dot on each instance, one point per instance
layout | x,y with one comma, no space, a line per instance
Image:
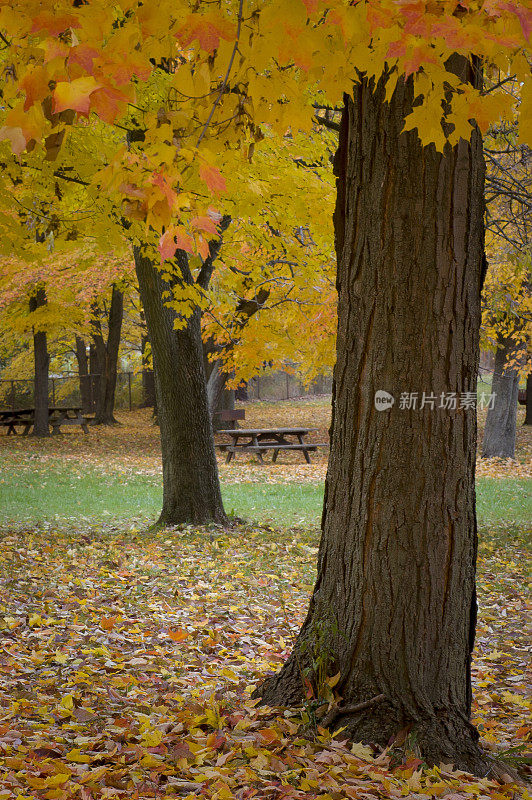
383,400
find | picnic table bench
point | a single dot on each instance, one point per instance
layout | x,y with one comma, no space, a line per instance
57,416
230,415
259,440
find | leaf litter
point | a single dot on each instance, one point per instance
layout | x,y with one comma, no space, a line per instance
137,435
128,658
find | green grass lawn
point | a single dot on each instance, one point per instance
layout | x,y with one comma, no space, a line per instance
28,495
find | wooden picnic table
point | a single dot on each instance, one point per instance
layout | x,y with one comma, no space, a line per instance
57,416
259,440
19,417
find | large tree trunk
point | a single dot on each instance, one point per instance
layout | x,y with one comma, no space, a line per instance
393,608
528,402
191,488
83,372
107,359
501,420
42,363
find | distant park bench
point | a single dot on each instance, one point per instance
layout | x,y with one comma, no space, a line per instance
260,440
230,416
57,417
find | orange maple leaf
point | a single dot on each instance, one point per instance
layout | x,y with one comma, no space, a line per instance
35,84
213,178
204,224
167,245
74,95
54,23
207,29
178,635
107,103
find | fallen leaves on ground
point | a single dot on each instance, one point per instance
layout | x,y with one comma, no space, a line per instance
128,659
104,447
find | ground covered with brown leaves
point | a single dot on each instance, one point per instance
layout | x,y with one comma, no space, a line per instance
128,659
134,445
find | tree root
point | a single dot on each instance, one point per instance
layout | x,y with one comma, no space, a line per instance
352,708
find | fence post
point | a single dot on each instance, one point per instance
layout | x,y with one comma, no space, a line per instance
12,395
129,388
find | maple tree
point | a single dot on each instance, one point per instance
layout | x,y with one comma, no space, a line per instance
272,296
192,84
506,328
506,331
189,86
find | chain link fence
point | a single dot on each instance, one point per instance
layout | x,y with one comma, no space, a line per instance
285,386
66,390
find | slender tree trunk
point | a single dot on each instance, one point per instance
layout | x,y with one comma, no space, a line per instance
393,609
116,315
219,397
528,404
42,363
501,420
107,359
241,391
95,369
148,388
148,378
191,488
83,371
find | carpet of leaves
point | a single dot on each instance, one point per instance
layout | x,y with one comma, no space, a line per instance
138,436
128,658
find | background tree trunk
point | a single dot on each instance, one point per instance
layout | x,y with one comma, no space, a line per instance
191,488
219,398
42,363
83,371
501,420
107,358
528,405
94,375
148,378
393,608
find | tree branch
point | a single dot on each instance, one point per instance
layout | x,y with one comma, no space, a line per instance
207,268
226,77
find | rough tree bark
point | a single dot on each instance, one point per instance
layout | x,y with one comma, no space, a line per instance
393,609
191,488
83,372
107,358
528,402
501,420
42,363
